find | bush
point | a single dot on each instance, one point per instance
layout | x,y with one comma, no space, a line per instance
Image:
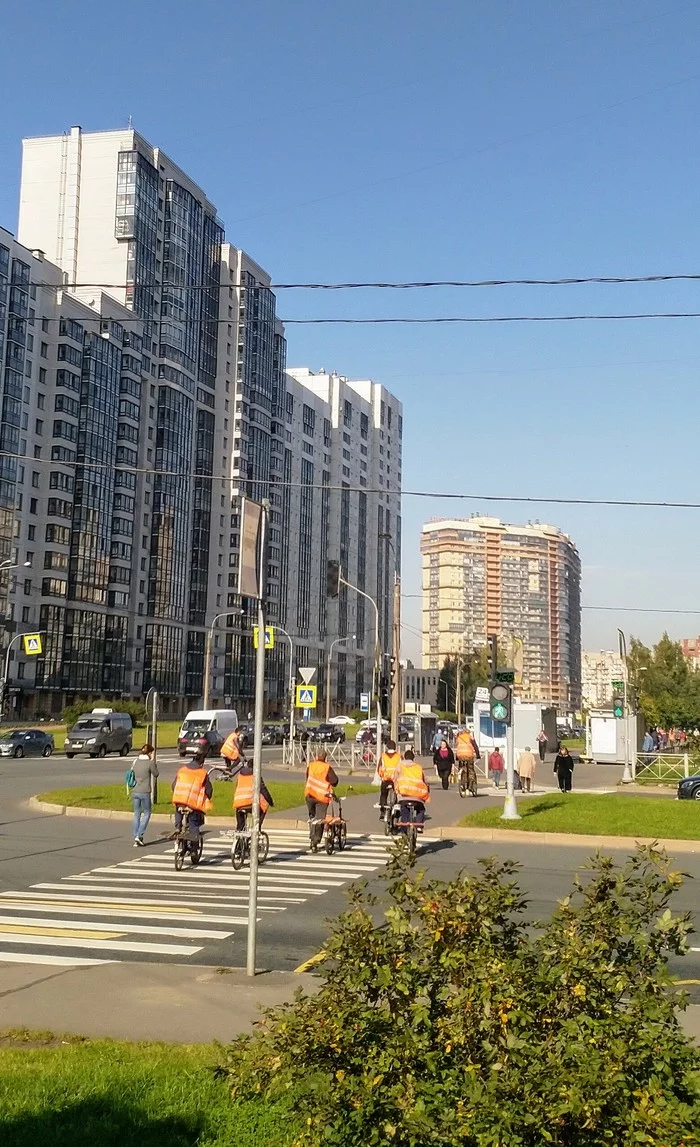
136,709
452,1022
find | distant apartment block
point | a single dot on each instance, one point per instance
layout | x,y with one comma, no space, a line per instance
599,668
483,576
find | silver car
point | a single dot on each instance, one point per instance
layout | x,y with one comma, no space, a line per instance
26,743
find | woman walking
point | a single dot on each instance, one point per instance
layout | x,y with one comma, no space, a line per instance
145,771
526,768
542,743
444,759
496,767
564,767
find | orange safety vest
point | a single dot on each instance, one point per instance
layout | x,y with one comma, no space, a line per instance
388,765
243,796
189,789
464,746
410,783
231,748
317,784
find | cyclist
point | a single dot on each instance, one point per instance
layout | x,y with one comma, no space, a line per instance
388,764
231,750
243,796
411,787
321,779
467,752
192,790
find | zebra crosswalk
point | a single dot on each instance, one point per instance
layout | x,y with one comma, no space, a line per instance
142,909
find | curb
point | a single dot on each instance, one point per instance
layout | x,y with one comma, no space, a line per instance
450,832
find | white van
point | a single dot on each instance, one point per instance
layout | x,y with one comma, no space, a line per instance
198,722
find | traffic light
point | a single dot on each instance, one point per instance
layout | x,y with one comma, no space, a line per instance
501,702
392,672
492,655
618,706
384,699
333,579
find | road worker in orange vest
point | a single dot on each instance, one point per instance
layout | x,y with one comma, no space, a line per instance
321,779
467,753
231,749
192,789
243,796
411,787
388,764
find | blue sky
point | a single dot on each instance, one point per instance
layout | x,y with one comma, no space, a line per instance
461,139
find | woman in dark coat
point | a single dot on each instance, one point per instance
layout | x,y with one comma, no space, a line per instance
444,759
564,767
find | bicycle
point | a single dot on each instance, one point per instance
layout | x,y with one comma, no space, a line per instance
240,847
467,779
335,826
411,828
188,840
390,811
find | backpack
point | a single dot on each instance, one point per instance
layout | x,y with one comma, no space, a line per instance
130,780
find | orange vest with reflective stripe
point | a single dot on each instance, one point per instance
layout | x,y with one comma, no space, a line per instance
410,783
189,789
464,746
243,796
231,748
317,784
388,765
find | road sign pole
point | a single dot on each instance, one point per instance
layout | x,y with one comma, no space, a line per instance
257,750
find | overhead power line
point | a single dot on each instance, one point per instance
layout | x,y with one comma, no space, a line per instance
436,495
605,608
405,319
420,284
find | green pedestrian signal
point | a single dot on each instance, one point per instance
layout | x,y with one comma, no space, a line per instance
501,702
499,711
618,707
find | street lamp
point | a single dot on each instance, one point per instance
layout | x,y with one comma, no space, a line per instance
279,629
395,646
622,646
207,655
336,641
441,681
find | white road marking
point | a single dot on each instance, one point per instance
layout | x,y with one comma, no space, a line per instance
98,926
42,958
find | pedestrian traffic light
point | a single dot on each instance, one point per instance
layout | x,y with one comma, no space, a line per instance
501,702
392,672
333,579
618,706
492,655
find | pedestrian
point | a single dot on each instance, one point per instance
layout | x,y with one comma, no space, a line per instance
444,759
436,741
496,767
144,771
526,768
541,743
564,767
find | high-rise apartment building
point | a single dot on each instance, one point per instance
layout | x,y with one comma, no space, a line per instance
162,362
599,668
481,576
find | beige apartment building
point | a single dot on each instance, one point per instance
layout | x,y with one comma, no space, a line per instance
599,668
522,583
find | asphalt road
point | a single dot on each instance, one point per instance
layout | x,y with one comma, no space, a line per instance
73,890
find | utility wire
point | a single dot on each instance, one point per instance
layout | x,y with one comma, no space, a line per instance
279,485
401,319
604,608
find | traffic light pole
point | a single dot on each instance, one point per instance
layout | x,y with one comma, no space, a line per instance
501,705
510,805
396,663
257,747
622,645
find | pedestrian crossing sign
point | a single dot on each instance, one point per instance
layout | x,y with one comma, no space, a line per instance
306,696
269,636
32,644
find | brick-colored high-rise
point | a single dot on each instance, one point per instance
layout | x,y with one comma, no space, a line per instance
483,576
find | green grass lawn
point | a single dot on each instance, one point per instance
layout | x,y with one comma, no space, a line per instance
578,743
286,795
104,1093
610,815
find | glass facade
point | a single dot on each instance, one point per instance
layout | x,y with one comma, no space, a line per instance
170,536
11,371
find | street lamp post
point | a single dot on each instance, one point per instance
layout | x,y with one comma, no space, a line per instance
279,629
206,689
375,694
6,670
441,681
336,641
622,645
395,647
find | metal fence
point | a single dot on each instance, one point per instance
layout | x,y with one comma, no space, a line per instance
347,756
661,766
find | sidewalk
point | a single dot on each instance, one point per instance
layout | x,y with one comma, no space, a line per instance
170,1002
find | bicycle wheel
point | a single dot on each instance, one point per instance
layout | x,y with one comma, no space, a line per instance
411,839
389,812
330,841
196,850
263,847
179,856
462,784
238,853
342,837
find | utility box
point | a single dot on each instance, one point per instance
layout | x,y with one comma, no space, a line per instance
606,737
528,718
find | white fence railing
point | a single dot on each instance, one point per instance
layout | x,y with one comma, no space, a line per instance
661,766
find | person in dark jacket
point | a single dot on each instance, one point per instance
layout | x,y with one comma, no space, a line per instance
444,759
564,768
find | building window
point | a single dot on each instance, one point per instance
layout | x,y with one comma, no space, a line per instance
44,350
347,413
33,505
308,420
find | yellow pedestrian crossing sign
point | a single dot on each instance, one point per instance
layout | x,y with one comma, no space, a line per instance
306,696
269,636
32,644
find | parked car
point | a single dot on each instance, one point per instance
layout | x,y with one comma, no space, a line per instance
197,721
26,743
689,789
247,735
207,741
272,735
340,720
100,732
328,734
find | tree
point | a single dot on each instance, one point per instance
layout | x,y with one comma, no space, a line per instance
136,709
474,673
668,690
448,1022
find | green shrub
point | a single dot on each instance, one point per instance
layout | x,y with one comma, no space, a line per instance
451,1022
136,709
